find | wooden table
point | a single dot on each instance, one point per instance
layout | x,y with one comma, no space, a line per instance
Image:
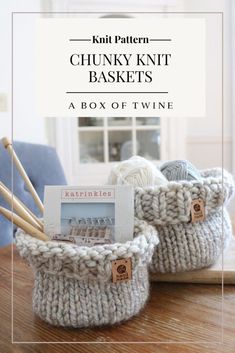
179,317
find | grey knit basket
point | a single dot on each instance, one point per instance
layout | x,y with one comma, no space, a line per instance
185,246
73,285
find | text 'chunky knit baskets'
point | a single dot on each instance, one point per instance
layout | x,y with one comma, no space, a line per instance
73,285
184,245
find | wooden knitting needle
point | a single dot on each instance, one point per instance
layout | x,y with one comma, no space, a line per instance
37,220
20,210
21,223
7,144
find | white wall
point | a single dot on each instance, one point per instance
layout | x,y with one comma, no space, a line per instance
204,136
233,80
5,65
27,126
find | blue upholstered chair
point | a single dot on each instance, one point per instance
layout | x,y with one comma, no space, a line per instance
43,168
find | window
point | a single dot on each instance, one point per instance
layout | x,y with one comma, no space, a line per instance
104,140
88,147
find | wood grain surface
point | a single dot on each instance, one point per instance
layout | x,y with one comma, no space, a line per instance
212,274
178,318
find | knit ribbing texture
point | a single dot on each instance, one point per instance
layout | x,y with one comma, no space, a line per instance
73,285
185,246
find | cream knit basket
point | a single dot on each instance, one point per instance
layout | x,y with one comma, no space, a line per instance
185,246
73,285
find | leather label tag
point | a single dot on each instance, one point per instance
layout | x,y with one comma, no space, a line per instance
121,270
197,210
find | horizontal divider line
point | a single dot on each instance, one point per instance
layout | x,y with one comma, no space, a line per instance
80,40
160,40
117,92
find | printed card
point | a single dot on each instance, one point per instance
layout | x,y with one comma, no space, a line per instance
89,215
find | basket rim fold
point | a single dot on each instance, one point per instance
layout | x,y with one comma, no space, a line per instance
171,203
81,261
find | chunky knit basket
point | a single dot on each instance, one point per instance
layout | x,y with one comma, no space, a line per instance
73,285
183,245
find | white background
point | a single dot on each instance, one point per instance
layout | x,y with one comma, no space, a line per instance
183,78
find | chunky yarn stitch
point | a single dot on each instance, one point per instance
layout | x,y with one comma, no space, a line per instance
183,245
190,246
73,285
180,170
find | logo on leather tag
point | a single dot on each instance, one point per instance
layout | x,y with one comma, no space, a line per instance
197,210
121,270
